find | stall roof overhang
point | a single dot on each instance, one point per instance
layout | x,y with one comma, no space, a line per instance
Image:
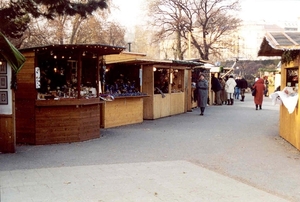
146,61
275,43
11,54
123,57
98,49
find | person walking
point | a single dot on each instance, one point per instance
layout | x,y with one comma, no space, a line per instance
259,86
266,92
216,87
243,87
230,84
223,93
202,91
237,88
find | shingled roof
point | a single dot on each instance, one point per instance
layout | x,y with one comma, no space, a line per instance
275,43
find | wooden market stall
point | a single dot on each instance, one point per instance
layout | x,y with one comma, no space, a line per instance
11,61
57,98
165,85
122,81
169,86
286,45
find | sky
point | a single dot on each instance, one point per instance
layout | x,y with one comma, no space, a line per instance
131,12
270,10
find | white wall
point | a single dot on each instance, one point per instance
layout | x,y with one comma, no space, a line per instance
7,108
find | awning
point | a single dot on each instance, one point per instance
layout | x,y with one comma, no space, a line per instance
275,43
11,54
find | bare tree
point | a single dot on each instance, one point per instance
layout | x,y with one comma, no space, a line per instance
203,23
142,43
169,18
215,23
72,30
114,34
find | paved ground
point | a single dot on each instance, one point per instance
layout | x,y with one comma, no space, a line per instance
232,153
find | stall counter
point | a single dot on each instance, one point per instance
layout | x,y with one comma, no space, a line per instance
67,120
123,110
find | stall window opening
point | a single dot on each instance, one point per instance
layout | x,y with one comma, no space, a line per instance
161,80
176,80
292,77
122,80
59,78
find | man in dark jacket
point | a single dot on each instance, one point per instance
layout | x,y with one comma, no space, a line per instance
216,87
243,87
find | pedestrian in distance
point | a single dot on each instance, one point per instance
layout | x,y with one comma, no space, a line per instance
202,91
259,86
243,87
223,93
230,84
216,87
237,88
266,92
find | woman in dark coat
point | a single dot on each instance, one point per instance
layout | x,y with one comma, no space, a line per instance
202,89
259,95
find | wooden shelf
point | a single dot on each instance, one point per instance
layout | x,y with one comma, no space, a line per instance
67,102
138,96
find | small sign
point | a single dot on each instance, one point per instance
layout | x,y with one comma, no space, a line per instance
37,78
3,82
3,68
3,98
141,76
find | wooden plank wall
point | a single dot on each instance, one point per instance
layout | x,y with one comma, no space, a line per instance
7,139
89,122
188,90
148,87
122,111
177,103
289,128
25,101
65,124
162,106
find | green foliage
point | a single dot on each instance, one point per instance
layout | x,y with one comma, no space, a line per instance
15,15
289,56
267,70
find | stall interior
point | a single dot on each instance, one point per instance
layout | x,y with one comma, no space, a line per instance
59,78
292,77
122,80
176,80
163,77
161,80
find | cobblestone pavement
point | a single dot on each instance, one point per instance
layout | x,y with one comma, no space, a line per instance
232,153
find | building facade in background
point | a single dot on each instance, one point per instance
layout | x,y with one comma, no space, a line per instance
244,44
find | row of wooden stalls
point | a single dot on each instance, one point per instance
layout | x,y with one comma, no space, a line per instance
58,89
287,46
